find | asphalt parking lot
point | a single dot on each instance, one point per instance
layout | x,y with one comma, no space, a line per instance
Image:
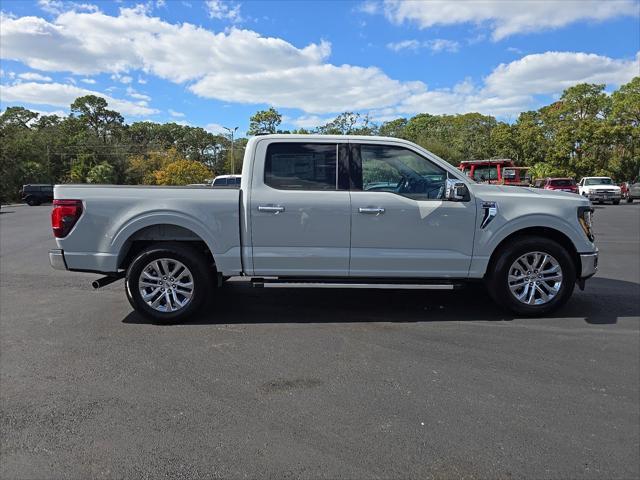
316,383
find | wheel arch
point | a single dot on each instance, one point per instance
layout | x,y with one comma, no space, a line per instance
144,236
546,232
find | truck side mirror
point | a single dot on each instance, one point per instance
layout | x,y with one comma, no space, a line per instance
457,191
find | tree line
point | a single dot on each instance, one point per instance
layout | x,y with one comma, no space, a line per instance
585,132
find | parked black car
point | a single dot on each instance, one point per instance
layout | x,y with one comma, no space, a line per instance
36,194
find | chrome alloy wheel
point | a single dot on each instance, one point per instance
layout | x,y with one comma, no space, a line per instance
535,278
166,285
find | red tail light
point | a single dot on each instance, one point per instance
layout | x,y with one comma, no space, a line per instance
64,216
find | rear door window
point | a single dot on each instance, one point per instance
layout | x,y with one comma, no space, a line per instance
301,166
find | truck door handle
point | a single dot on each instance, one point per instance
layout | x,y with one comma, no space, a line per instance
271,208
371,210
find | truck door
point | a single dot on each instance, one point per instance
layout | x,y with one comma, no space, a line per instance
402,226
299,212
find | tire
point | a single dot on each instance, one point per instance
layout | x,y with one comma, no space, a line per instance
616,202
497,279
629,199
168,256
32,202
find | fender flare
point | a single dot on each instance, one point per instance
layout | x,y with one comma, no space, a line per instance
149,219
536,220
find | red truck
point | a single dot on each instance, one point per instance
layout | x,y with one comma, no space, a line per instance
497,171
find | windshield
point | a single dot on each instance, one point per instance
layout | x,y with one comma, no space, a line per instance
564,182
598,181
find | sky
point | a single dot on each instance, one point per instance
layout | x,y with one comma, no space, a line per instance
215,63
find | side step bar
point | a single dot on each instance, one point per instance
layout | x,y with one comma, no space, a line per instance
262,283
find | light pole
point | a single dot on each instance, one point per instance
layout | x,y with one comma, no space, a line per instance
233,162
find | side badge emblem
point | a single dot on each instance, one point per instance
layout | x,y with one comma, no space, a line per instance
490,212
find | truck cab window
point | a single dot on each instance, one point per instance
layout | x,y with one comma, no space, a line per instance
399,170
485,173
301,166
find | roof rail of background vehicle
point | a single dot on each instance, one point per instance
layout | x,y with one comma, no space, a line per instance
488,160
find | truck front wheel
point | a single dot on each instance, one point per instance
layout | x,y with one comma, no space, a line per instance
168,282
532,276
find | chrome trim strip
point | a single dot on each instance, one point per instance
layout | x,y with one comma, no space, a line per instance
400,286
589,263
56,259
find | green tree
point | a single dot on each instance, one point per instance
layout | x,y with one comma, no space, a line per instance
264,121
182,172
20,160
102,173
348,123
394,128
92,111
574,126
623,129
504,143
141,168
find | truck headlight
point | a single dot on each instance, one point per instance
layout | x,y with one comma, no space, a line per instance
585,217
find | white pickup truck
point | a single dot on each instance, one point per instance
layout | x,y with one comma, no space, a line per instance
328,211
600,189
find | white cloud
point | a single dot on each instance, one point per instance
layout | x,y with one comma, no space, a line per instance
243,66
215,128
140,96
309,121
442,45
92,43
55,7
173,113
506,18
57,113
224,10
404,45
137,95
511,87
63,95
315,89
89,81
370,6
126,79
550,72
32,76
436,45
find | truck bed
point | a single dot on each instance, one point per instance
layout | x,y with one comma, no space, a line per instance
113,214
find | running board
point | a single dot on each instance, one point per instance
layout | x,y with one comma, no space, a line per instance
385,286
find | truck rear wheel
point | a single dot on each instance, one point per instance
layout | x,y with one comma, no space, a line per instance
168,282
532,276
